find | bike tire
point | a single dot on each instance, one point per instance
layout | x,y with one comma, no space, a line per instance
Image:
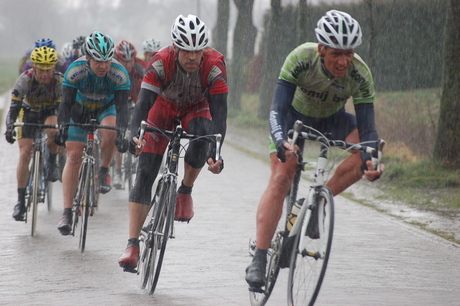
147,254
163,229
78,199
273,257
308,267
85,206
35,191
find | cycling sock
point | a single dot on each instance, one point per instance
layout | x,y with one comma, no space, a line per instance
103,171
21,194
260,255
133,242
52,159
184,189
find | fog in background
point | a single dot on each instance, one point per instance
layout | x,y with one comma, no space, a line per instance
22,22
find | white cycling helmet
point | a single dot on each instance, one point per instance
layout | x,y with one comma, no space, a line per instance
67,50
151,45
338,30
189,33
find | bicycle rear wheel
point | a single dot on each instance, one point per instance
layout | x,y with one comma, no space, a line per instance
35,191
162,228
49,195
311,253
259,298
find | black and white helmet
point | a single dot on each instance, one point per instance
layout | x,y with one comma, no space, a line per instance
99,47
151,45
338,30
189,33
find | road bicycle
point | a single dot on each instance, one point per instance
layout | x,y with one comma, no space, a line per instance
160,226
129,162
304,246
39,189
86,198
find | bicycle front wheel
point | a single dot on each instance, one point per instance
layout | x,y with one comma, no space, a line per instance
311,252
162,227
85,205
35,191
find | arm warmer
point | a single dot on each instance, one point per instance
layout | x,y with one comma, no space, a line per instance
145,102
282,98
13,113
365,120
218,109
69,95
121,104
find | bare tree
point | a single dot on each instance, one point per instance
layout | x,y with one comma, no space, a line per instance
220,33
447,145
243,51
270,58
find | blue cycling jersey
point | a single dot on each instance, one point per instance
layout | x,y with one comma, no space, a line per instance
94,92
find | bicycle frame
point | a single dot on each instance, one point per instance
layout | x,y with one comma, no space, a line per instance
38,185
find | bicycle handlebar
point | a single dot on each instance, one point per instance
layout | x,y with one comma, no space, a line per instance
144,127
376,153
92,126
39,125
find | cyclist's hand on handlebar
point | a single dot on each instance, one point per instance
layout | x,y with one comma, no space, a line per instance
121,142
135,146
281,148
215,167
61,136
10,133
373,174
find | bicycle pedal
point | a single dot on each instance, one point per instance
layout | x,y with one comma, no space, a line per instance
130,269
256,289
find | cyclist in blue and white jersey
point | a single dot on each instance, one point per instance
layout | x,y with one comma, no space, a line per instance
95,87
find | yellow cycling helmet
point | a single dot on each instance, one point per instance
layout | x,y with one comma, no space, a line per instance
44,58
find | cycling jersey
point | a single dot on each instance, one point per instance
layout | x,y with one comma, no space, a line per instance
171,83
136,75
95,92
30,94
317,95
304,86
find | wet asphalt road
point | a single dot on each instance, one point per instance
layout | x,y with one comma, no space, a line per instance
376,259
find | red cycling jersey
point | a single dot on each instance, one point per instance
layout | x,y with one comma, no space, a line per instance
181,94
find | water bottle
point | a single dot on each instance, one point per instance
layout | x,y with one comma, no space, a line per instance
294,212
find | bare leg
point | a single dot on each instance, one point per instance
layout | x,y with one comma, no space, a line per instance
71,171
349,171
271,203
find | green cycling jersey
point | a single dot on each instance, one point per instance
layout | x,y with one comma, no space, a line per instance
318,95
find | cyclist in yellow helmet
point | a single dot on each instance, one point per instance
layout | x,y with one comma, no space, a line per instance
34,99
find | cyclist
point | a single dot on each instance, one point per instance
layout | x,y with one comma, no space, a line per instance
150,46
313,86
46,42
94,87
186,80
126,54
35,98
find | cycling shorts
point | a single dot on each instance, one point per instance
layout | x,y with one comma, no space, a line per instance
78,134
162,116
339,125
28,116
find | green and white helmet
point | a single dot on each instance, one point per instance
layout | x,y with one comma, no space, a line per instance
99,47
338,30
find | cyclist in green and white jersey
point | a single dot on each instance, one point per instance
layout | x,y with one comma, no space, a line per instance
315,82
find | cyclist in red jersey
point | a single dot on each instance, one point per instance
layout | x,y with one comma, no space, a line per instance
126,54
185,80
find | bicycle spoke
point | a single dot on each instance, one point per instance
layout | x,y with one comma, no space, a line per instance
311,253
